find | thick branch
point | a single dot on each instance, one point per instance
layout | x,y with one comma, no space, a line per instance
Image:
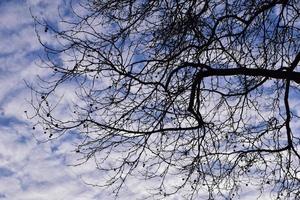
277,74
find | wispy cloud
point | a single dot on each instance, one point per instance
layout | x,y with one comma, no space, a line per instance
29,169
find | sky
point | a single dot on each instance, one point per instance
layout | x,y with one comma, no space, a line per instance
30,168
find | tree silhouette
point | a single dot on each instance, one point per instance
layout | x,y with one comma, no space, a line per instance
197,97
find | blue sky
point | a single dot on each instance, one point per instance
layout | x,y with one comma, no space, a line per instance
31,169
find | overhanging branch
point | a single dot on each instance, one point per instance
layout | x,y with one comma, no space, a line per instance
277,74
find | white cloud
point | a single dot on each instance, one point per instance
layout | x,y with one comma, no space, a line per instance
29,169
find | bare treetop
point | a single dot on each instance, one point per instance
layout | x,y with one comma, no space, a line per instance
193,97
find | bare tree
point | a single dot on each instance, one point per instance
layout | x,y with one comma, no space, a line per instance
195,96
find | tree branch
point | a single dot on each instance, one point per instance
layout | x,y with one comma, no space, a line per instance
277,74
